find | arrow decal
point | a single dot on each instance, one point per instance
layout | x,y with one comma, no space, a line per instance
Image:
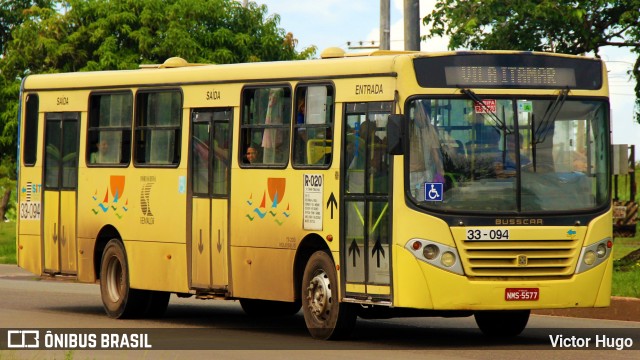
331,203
377,249
353,248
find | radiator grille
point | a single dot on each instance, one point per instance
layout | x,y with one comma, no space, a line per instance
520,258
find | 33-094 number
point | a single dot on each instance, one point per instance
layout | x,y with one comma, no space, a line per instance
29,210
487,234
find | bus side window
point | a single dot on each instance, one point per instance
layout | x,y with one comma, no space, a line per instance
30,145
158,127
109,131
266,113
312,145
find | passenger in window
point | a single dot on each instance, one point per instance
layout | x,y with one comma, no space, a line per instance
221,151
505,166
368,130
273,138
300,111
100,155
425,161
579,161
251,156
301,133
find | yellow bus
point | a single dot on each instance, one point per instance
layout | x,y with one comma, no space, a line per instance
368,185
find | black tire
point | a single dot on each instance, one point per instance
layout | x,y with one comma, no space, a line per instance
266,308
118,299
325,316
157,303
502,324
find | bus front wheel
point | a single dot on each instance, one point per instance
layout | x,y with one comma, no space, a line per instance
118,299
507,323
325,316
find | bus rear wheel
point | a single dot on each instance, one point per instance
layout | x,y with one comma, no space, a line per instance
325,316
118,299
507,323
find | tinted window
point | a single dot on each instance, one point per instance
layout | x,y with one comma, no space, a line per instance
313,136
30,146
266,113
109,136
158,127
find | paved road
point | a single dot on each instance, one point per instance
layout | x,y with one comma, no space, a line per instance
220,329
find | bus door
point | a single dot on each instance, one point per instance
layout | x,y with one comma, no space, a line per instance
60,187
210,174
365,241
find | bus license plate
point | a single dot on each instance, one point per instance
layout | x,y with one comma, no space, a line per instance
522,294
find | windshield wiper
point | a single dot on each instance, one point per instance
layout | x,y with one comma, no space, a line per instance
540,133
542,130
492,115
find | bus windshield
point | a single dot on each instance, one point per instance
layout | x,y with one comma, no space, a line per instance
512,155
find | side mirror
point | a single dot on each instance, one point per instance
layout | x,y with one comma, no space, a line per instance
394,134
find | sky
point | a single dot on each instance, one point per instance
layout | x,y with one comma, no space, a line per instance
329,23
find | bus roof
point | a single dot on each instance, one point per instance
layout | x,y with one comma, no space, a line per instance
334,64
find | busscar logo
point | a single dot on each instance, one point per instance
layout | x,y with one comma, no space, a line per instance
519,221
23,339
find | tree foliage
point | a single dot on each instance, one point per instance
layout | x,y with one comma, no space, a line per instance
572,27
13,14
45,36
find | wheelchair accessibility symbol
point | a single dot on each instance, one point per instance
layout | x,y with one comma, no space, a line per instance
433,191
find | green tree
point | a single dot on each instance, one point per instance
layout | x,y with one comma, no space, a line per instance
566,26
47,36
12,14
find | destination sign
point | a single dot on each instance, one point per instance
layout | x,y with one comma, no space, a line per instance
519,70
510,76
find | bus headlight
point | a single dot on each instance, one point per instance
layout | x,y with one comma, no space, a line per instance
594,255
436,254
589,257
601,251
448,259
430,251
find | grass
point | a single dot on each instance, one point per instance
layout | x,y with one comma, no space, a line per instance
626,274
626,283
8,242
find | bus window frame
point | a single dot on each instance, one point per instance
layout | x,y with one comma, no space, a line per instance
211,194
454,217
122,130
137,127
330,85
34,134
242,147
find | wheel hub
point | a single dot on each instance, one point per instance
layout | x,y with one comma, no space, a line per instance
114,280
319,295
